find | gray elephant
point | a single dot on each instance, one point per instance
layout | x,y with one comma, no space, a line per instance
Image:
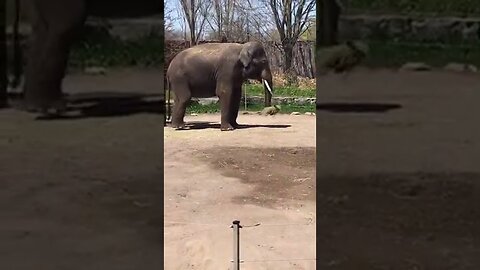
55,25
216,69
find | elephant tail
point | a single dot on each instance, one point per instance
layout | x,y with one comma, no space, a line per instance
169,110
17,53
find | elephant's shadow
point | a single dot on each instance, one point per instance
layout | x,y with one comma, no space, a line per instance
357,107
196,125
109,104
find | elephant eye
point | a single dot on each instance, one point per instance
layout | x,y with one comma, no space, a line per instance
259,62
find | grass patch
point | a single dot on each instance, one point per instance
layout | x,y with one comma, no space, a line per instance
391,54
285,91
285,108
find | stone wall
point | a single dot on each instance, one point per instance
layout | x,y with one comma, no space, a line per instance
407,28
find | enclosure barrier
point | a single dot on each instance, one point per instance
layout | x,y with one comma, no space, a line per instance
236,260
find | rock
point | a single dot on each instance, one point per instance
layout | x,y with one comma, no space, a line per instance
207,101
416,66
459,67
272,110
194,114
295,113
309,113
95,70
472,68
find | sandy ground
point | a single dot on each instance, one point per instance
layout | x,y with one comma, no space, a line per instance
85,192
398,172
397,179
261,174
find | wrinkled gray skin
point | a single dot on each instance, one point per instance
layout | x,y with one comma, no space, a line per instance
215,69
55,25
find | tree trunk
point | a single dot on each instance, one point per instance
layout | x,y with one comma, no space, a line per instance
3,55
328,23
287,47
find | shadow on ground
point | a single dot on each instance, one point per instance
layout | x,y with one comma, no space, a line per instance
103,104
280,176
345,107
213,125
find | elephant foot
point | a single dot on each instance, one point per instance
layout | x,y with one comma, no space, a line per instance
228,127
179,126
55,108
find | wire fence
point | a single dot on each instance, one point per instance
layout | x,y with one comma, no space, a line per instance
236,226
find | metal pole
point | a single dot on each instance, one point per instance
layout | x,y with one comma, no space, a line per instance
245,98
236,244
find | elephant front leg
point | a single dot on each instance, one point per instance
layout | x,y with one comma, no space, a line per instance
225,111
235,105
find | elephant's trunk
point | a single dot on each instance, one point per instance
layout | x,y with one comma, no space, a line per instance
268,86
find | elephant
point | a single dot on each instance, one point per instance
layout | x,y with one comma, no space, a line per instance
216,69
55,26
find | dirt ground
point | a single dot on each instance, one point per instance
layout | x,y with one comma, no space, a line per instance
262,174
397,179
398,172
85,192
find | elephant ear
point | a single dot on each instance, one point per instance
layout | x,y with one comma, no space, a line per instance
245,56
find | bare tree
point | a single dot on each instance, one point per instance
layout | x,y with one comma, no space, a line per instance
195,12
168,19
230,19
291,19
223,17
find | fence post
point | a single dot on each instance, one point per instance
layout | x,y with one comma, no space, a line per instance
245,93
268,98
236,244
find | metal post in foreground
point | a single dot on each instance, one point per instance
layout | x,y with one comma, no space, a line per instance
245,92
236,244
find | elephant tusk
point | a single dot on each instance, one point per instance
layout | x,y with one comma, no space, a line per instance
268,86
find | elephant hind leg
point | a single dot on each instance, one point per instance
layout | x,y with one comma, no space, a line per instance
55,25
181,99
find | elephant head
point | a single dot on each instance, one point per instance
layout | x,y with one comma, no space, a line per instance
255,64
